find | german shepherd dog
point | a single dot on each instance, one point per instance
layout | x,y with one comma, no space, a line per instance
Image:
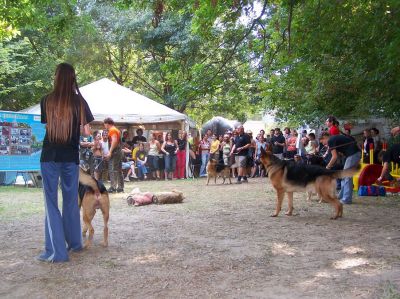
215,169
93,195
288,177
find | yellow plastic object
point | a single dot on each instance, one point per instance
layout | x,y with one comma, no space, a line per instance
371,156
357,176
395,170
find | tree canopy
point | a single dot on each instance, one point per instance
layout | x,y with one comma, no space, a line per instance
301,59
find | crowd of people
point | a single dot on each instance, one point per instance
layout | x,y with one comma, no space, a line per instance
110,155
333,149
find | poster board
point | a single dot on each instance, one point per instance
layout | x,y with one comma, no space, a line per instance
21,140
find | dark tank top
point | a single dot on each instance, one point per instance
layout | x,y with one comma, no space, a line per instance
170,148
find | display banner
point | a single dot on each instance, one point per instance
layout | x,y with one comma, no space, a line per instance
21,139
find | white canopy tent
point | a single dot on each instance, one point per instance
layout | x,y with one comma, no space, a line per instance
109,99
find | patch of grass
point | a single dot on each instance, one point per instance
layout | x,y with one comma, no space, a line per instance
13,211
19,202
19,189
390,291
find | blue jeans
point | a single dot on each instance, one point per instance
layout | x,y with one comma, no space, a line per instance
142,169
204,160
61,230
346,191
170,163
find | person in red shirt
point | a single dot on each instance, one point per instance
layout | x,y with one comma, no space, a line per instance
333,125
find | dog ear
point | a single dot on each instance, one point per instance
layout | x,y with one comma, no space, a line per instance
263,152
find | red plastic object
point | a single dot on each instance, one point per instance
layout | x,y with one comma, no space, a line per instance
369,174
389,188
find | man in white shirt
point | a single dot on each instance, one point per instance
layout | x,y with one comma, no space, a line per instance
106,149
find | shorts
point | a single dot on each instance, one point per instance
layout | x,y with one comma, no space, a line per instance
127,165
240,161
161,163
152,161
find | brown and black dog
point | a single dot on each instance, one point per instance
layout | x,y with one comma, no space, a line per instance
288,177
93,195
215,169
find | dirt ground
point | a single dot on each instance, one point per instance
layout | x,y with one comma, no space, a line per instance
219,243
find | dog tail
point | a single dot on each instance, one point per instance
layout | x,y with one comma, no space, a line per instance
86,179
347,172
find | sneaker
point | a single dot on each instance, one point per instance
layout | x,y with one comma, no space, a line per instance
120,190
44,258
127,180
112,190
346,202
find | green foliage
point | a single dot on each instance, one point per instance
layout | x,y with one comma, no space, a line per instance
341,60
23,78
302,59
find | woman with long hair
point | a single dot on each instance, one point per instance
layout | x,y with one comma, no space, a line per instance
169,148
66,115
204,150
153,156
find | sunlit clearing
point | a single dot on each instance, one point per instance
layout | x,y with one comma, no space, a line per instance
348,263
148,258
353,250
282,248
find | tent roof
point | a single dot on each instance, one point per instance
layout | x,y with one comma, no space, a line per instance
109,99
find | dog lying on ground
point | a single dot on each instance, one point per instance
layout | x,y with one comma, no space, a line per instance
93,195
138,198
215,169
288,177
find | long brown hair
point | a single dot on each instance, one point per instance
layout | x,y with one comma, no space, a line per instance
61,109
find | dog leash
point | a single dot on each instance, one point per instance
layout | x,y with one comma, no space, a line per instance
344,144
98,165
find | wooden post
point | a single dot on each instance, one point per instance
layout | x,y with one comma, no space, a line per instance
371,153
362,153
